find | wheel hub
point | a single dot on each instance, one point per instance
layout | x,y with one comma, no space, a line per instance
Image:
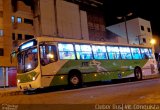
75,80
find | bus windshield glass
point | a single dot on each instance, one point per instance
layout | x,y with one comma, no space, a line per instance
27,60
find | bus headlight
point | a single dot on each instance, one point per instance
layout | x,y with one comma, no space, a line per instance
18,80
33,78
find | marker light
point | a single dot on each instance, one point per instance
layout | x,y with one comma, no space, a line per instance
62,77
18,81
33,78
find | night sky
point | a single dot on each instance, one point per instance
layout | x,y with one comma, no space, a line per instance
146,9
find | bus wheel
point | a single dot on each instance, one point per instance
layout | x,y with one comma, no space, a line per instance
74,79
138,73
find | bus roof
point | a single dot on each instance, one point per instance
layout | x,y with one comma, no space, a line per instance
64,40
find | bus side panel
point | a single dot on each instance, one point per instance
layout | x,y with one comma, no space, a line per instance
98,70
49,72
150,69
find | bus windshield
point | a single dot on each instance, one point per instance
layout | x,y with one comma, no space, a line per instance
27,60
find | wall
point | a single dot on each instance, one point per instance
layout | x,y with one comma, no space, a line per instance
119,29
8,76
63,19
1,5
3,77
145,33
68,19
134,30
96,25
47,19
23,11
7,12
11,74
84,25
1,22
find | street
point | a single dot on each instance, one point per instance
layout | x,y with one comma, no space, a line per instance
138,92
145,91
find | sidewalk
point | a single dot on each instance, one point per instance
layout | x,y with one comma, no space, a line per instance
9,91
151,76
4,89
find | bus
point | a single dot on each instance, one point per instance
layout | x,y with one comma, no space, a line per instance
46,61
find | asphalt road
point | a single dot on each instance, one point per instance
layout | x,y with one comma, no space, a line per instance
138,92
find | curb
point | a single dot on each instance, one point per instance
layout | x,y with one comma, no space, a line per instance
151,76
10,93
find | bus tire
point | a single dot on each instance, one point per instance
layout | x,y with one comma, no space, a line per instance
75,79
138,73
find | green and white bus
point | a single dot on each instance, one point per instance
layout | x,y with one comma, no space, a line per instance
46,61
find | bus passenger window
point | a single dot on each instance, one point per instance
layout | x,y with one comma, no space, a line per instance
83,51
150,53
66,51
48,54
125,53
145,53
99,52
113,52
136,53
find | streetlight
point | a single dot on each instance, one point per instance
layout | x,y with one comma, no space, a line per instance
124,18
153,41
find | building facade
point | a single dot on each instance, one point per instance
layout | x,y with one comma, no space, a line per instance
63,19
21,20
138,30
16,26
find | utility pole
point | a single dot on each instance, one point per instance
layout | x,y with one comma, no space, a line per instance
125,24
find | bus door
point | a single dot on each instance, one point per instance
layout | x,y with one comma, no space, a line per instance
48,59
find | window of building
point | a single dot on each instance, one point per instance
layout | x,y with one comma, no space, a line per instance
19,36
13,19
28,21
83,51
19,20
66,51
27,37
142,28
13,36
99,52
1,32
144,40
1,52
148,29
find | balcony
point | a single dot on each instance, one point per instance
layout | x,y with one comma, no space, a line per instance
23,27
